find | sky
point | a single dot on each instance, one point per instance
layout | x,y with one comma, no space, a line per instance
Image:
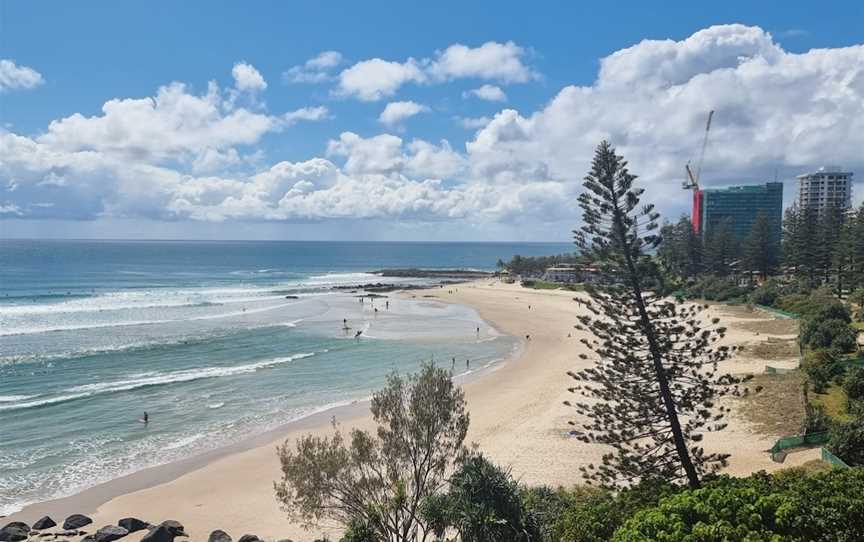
436,121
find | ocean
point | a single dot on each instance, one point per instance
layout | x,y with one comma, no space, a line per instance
216,341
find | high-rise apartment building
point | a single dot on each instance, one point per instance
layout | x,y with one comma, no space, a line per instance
739,206
826,188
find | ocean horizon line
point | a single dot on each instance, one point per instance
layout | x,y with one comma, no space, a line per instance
353,241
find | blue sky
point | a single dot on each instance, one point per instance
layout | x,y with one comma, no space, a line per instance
513,174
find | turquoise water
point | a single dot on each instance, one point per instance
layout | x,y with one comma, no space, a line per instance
203,338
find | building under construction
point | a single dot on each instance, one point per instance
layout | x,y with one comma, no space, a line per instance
739,206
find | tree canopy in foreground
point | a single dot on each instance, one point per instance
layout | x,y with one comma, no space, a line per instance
379,481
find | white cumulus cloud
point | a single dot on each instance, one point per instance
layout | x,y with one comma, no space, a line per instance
492,60
13,76
490,93
181,155
374,79
247,78
396,112
315,70
306,113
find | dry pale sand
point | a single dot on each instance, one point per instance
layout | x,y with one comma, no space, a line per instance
517,417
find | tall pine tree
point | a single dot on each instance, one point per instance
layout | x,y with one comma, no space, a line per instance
721,249
760,247
654,384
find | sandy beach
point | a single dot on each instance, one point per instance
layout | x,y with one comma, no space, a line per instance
517,418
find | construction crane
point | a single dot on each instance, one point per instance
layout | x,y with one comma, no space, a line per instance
691,182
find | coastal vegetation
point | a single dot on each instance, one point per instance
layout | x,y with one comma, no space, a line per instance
654,390
654,381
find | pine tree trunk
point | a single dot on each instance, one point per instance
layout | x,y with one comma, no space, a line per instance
663,382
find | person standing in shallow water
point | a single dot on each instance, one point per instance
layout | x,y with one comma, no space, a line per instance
146,418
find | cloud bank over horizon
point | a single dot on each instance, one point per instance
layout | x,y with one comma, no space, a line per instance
178,155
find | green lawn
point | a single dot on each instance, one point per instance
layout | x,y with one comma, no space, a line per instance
858,325
546,285
833,402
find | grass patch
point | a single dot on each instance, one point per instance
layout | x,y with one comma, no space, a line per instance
778,409
810,467
546,285
772,349
785,326
833,402
858,325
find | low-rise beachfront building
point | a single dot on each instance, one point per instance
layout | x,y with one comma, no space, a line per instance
566,273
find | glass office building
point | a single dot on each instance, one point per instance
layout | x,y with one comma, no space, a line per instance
740,205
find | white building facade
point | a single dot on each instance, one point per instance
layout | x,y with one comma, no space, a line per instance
829,187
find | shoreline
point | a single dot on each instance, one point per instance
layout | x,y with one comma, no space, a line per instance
517,417
89,500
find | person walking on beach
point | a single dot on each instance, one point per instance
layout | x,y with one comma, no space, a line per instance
467,363
453,367
387,305
478,331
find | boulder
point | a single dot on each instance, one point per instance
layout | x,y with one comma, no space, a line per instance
15,531
76,521
109,533
133,525
174,527
249,538
44,523
159,533
219,536
89,538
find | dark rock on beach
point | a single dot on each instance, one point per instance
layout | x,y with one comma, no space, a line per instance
44,523
76,521
14,532
133,525
159,534
249,538
219,536
174,527
110,533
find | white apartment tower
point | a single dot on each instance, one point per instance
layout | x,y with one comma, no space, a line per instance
828,187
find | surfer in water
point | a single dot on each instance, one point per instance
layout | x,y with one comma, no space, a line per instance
146,419
357,335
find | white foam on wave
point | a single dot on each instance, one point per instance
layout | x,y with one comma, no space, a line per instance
14,398
216,405
186,375
97,325
184,442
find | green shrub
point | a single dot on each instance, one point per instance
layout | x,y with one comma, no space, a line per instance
847,442
596,518
357,531
796,506
715,288
483,504
547,505
821,368
806,304
828,327
853,384
766,294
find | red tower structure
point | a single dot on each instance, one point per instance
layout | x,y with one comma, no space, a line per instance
696,214
692,182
